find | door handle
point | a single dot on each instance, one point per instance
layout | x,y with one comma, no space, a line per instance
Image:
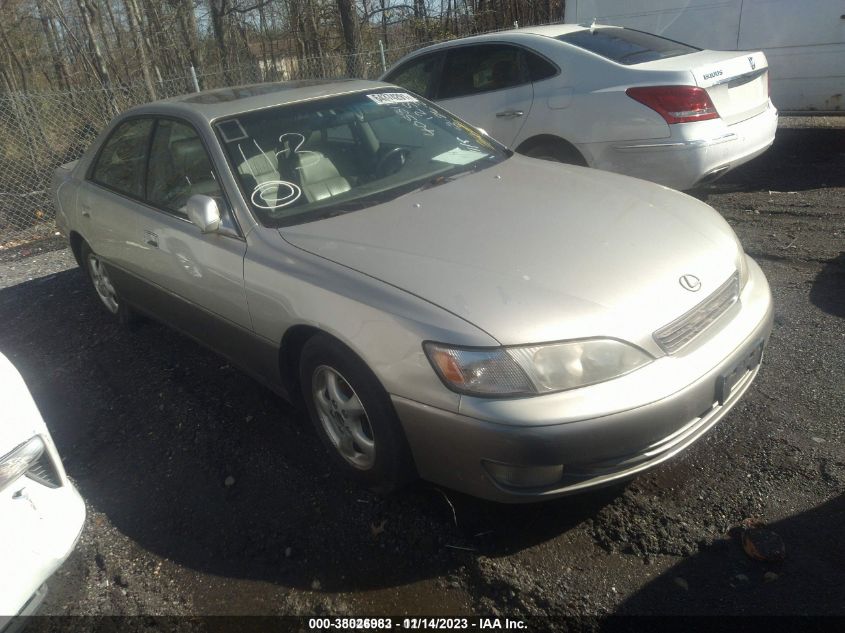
86,211
509,114
151,239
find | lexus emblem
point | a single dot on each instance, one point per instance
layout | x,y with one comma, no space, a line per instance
752,62
690,282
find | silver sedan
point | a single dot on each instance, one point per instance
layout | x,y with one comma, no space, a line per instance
512,328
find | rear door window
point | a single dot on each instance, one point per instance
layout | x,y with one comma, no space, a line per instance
418,75
120,164
472,70
539,68
626,46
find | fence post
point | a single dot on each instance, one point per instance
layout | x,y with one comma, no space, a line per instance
381,50
194,79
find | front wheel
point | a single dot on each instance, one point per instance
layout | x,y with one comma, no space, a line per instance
353,415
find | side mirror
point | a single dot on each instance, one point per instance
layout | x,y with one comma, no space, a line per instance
204,213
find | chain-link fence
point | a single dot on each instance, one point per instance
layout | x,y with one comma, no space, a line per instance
43,130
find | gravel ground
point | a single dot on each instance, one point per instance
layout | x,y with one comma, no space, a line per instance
152,427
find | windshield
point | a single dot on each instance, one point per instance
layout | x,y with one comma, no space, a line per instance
303,162
626,46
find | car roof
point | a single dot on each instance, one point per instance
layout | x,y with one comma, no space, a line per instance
222,102
522,34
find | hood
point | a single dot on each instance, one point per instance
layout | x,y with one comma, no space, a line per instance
531,251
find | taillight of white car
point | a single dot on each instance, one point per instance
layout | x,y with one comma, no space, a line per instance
676,104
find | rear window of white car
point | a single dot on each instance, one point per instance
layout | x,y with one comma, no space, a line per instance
626,46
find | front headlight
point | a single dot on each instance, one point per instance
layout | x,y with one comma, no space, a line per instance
15,464
533,369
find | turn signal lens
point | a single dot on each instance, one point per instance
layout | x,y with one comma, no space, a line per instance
489,371
676,104
448,366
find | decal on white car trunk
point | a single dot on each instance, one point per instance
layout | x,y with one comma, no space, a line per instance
712,74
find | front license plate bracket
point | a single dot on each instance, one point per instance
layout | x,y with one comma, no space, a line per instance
728,380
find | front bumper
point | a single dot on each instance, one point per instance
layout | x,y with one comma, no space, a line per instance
694,154
39,530
652,416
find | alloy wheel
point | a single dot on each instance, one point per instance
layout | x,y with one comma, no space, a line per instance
343,417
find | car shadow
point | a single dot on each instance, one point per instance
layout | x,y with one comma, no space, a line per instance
199,464
828,291
799,159
722,579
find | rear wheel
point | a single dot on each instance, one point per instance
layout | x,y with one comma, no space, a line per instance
556,152
99,275
353,415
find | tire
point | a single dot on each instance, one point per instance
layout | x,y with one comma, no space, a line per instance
353,416
98,274
556,152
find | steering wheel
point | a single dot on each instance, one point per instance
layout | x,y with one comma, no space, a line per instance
392,161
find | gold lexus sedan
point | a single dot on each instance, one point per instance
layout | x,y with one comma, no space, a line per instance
509,327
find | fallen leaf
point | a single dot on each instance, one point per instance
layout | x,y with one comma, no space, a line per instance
378,528
761,543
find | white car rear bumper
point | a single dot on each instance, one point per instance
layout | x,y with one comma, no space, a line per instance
694,153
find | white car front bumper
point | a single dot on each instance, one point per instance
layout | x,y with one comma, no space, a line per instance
39,529
694,154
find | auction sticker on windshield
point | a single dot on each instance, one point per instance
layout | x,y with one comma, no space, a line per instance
389,98
459,156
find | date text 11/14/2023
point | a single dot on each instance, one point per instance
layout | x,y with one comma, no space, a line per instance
416,623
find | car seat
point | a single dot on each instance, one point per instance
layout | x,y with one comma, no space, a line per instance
318,176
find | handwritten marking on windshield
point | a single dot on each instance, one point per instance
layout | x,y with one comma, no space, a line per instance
315,158
410,117
269,192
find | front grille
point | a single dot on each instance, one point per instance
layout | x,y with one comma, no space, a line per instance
44,472
682,330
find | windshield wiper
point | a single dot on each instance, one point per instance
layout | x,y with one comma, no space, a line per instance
450,175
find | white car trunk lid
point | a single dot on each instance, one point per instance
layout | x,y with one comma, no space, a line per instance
737,83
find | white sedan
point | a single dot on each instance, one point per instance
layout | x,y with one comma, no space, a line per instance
604,96
41,513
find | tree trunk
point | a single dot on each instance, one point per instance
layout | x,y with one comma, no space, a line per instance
348,20
87,8
218,9
13,57
50,35
384,22
118,35
159,31
135,29
188,26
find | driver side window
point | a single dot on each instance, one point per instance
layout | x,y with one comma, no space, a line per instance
179,168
